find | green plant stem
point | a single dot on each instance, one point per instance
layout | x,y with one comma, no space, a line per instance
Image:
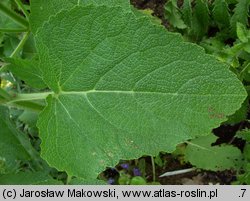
20,45
34,101
14,16
21,6
69,178
29,97
243,70
7,30
153,168
3,68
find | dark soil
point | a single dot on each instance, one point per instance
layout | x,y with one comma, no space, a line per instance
226,134
157,6
196,177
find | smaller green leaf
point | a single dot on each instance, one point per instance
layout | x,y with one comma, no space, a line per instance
213,45
242,32
246,152
244,178
10,43
4,94
246,47
7,23
221,13
173,15
200,19
124,179
138,181
202,154
27,70
244,134
28,178
187,12
240,15
11,149
158,161
29,118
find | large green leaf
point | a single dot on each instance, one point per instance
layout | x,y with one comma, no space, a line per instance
43,9
124,87
11,149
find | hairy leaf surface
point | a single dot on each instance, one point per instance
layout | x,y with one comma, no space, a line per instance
124,87
42,10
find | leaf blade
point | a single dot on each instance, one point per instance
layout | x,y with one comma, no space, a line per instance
42,10
132,81
202,154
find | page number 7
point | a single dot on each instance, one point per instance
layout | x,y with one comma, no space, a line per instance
243,190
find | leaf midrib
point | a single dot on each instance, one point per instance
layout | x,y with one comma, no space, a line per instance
144,92
44,95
